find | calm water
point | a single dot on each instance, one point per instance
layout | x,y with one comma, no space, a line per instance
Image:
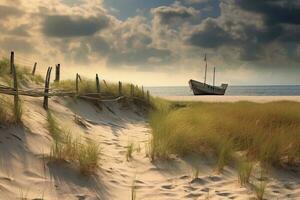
274,90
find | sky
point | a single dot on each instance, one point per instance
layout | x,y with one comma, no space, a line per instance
157,42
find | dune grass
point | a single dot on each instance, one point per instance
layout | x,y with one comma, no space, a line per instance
196,171
129,150
88,157
268,132
5,112
65,147
244,171
24,75
8,113
106,88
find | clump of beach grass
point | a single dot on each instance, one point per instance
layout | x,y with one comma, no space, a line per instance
5,113
244,171
269,132
260,189
196,171
9,114
65,147
88,157
129,150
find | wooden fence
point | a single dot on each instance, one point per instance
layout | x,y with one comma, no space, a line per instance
47,92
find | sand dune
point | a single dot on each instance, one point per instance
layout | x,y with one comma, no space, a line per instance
26,173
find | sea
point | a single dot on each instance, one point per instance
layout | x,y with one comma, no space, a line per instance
257,90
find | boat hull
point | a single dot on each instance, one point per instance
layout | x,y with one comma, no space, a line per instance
199,88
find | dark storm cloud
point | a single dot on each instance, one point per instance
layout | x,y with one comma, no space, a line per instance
274,11
72,26
169,14
211,35
279,25
99,45
8,11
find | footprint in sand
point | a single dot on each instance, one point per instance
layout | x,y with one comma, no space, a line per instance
214,178
81,197
168,187
223,194
199,181
193,195
205,190
184,177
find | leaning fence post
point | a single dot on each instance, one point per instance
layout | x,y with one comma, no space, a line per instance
57,72
34,68
16,96
12,61
77,83
148,96
97,84
131,90
143,92
120,88
47,85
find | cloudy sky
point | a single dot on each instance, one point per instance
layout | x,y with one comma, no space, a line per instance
157,42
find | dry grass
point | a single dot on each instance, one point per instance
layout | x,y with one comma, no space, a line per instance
269,132
129,150
106,88
88,157
24,75
8,113
6,116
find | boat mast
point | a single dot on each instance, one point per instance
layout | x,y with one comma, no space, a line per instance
205,69
214,78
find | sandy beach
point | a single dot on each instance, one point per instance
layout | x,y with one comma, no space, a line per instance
257,99
25,172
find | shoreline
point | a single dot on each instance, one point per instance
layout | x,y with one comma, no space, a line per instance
256,99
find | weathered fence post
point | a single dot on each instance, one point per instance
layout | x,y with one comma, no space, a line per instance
47,85
78,78
148,96
16,96
12,61
57,72
34,68
131,90
97,84
120,88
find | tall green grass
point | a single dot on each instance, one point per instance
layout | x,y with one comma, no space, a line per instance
268,132
65,147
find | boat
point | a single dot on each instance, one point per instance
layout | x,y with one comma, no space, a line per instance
202,88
